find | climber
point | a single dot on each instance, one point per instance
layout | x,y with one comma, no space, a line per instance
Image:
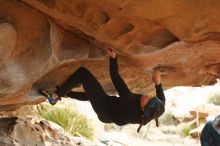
128,108
211,133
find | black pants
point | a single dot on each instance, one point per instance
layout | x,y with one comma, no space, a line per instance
93,91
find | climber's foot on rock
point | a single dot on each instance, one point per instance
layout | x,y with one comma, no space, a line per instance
52,98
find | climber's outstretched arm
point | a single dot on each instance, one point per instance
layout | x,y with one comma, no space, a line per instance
117,80
159,90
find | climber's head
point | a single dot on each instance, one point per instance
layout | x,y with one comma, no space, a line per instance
154,109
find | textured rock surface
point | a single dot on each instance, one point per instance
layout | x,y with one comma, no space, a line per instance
33,131
43,41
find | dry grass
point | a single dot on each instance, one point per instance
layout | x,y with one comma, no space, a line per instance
72,122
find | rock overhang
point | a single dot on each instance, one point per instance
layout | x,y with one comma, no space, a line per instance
44,41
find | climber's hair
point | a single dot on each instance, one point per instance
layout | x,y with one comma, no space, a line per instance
157,113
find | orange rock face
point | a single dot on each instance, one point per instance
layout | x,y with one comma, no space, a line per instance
43,41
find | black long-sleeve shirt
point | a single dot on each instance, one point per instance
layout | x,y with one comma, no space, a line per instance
126,109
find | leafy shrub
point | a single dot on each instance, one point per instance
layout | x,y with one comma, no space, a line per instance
185,130
70,120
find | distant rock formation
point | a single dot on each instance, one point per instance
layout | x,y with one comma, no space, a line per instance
43,41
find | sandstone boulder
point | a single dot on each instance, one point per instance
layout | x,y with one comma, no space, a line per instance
199,114
32,131
43,41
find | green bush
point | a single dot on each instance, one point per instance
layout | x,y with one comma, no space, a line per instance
70,120
185,130
215,99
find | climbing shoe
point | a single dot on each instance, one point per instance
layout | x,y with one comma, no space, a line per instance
48,96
